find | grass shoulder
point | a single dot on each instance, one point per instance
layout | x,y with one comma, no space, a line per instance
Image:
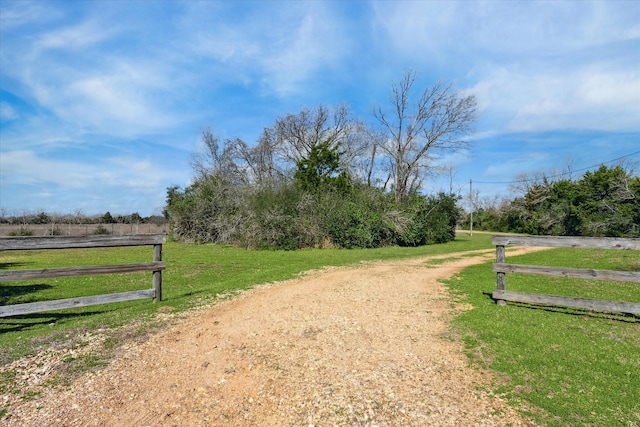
575,367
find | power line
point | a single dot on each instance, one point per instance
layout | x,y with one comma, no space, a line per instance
560,174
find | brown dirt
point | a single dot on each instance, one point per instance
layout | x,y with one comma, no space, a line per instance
368,345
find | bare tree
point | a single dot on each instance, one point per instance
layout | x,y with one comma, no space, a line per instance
293,136
261,160
438,121
208,160
297,134
365,161
450,172
225,160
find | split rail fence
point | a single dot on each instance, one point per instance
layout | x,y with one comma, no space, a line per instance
502,295
46,243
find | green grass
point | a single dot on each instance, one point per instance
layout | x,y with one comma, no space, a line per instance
196,275
570,367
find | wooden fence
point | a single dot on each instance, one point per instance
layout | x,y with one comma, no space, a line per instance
36,243
501,295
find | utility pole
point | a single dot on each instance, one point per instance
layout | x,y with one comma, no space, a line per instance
471,207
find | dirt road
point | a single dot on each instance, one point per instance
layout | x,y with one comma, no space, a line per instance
361,346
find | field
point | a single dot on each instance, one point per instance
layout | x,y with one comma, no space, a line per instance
571,367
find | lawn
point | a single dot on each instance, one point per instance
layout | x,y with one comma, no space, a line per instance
570,367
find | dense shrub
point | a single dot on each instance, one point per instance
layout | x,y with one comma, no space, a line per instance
270,220
429,220
101,230
22,231
602,203
317,204
290,217
353,225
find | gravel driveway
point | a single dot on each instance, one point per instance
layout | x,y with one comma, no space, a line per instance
368,345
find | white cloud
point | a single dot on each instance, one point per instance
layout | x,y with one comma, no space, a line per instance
26,167
119,97
15,14
599,96
617,89
7,112
120,183
318,43
92,75
424,29
141,174
86,34
280,46
534,66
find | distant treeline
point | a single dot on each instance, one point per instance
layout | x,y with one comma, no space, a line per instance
26,218
602,203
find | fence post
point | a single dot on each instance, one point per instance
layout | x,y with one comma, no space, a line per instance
501,278
157,275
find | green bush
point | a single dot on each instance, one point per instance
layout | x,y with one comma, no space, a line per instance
54,231
22,231
101,230
602,203
351,225
292,216
429,220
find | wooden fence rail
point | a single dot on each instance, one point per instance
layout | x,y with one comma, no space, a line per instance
501,295
46,243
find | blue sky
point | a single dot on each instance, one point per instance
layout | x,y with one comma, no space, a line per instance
102,102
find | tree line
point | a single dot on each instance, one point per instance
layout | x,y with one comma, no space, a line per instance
600,203
35,218
321,177
27,223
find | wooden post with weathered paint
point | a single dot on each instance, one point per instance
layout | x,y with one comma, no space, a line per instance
501,277
157,274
